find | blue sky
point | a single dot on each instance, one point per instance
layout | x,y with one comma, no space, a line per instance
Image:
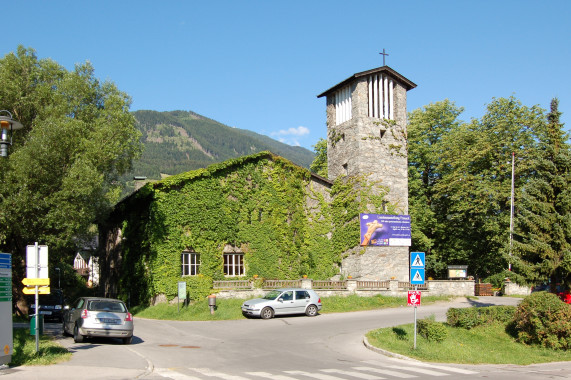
259,65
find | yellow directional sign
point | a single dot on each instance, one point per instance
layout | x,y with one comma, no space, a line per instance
36,281
41,290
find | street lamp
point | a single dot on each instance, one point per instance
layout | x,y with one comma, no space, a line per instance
7,126
58,278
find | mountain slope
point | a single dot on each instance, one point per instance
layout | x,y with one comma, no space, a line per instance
179,141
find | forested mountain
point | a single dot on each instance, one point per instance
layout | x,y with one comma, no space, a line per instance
179,141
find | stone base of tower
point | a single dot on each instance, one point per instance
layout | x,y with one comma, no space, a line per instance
378,263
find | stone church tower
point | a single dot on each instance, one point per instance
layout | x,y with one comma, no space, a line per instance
366,135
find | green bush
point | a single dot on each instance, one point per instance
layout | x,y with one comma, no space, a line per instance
431,330
497,280
543,319
199,287
475,316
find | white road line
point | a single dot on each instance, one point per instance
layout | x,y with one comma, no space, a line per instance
268,375
419,370
209,372
167,372
314,375
385,372
353,374
442,367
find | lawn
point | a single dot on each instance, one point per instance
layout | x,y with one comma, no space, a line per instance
24,350
489,344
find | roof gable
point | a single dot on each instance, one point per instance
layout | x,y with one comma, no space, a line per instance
409,85
178,179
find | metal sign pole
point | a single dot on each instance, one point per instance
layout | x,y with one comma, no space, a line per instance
415,289
37,299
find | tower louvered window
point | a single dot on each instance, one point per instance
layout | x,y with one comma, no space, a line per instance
381,98
343,105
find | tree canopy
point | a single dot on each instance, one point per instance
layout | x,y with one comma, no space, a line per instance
543,235
61,173
460,189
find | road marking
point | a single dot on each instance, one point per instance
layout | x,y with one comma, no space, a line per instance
419,370
445,368
167,372
314,375
209,372
353,374
268,375
385,372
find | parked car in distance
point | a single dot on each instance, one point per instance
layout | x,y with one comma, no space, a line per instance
91,317
50,306
565,296
284,301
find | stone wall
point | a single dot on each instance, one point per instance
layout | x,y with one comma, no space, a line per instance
513,289
451,287
377,263
459,288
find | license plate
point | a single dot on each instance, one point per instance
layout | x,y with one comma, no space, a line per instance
110,321
45,312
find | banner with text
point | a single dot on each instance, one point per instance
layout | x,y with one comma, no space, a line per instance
385,230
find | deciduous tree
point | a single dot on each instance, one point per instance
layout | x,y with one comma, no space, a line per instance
78,137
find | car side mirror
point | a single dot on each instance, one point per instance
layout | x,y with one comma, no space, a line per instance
280,300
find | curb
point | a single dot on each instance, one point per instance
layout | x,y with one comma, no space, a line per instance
385,352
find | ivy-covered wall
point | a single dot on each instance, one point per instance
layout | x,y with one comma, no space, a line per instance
278,214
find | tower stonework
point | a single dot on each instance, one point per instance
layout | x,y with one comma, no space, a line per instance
367,137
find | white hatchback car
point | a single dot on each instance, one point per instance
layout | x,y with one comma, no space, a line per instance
283,302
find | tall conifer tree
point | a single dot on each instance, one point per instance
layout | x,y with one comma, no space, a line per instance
543,225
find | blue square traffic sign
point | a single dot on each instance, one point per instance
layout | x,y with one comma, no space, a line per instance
417,260
416,276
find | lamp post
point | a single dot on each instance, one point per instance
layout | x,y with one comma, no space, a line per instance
7,126
58,278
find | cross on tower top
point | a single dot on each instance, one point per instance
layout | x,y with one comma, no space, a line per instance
384,54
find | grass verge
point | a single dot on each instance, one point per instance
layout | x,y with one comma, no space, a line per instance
24,350
489,344
230,308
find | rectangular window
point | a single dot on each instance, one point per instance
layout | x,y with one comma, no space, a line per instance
234,264
190,263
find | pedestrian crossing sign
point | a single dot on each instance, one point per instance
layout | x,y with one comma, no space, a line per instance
417,260
417,276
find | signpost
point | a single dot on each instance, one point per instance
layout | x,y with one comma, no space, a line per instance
417,263
181,293
36,276
6,335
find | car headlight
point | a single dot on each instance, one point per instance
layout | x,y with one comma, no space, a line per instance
57,307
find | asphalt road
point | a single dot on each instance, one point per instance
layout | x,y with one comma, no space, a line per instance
325,347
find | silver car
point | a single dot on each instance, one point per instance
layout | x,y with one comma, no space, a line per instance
98,317
283,302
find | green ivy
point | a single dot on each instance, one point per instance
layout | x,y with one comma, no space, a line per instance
257,204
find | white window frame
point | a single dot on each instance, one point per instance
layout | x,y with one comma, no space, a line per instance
189,263
234,264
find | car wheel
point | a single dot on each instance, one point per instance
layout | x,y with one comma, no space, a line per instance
267,313
65,332
311,311
77,337
127,340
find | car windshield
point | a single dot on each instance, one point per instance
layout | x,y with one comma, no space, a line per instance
103,305
272,295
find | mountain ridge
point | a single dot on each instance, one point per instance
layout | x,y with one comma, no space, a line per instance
179,141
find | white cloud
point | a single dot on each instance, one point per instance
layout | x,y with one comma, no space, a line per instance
299,131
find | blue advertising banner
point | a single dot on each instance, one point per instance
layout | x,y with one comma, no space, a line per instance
385,230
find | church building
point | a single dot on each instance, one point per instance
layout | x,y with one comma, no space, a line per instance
261,216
